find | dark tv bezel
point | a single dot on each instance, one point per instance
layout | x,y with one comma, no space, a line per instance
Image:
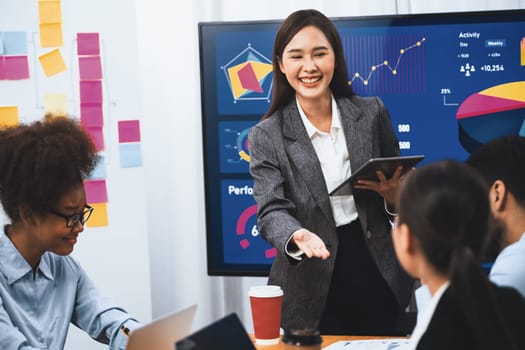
217,267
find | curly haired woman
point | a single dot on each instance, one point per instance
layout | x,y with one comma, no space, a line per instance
42,288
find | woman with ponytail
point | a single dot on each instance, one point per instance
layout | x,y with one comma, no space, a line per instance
439,235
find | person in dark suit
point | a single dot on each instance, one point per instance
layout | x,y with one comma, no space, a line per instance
335,260
443,226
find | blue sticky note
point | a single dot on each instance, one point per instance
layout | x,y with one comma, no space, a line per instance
100,170
15,43
522,130
130,155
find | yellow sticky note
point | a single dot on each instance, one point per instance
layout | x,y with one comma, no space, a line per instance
99,217
50,12
51,35
55,104
52,62
8,116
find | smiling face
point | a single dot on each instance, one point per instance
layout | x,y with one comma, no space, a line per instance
308,62
50,233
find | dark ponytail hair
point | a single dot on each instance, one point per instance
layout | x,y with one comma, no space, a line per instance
445,205
470,286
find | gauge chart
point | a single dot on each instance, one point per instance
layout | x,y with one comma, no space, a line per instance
234,149
242,242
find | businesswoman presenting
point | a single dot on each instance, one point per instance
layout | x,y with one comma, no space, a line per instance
335,260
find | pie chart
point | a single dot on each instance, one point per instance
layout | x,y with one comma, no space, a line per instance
492,113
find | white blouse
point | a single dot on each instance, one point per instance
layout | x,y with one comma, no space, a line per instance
332,153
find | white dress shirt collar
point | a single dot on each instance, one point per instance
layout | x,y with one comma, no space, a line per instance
311,130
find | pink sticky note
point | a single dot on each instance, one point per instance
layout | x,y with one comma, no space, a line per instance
16,67
96,191
129,131
97,136
91,91
91,114
90,68
88,44
2,68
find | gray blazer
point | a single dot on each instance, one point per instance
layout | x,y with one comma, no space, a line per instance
291,193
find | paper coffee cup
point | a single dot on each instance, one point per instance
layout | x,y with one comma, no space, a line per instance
266,302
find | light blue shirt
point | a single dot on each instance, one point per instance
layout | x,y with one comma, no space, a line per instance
508,270
509,267
36,309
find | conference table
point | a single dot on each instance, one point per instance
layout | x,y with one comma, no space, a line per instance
327,340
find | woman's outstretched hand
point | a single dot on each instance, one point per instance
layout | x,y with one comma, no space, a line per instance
310,244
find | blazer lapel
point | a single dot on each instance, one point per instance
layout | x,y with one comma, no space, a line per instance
359,144
358,139
303,155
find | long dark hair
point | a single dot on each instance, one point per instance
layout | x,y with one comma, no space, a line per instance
446,207
282,91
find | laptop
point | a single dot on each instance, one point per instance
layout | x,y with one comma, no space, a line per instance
161,334
228,333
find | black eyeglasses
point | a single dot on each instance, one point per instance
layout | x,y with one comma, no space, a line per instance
72,220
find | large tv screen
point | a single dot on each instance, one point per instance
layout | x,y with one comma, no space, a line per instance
451,82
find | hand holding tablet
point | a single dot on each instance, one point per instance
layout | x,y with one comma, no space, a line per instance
368,171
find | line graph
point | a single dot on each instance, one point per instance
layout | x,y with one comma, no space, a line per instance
399,66
393,69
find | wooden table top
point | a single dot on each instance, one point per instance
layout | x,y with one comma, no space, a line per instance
327,340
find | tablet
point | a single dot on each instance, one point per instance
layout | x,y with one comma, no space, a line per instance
368,171
228,333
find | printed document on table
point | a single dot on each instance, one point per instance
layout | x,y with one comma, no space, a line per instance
373,344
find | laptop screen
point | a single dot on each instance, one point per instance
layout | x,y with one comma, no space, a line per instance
162,333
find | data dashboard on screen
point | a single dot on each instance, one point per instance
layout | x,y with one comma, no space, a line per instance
451,82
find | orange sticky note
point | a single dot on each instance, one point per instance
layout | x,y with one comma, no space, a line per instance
8,116
50,12
52,62
51,35
99,216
